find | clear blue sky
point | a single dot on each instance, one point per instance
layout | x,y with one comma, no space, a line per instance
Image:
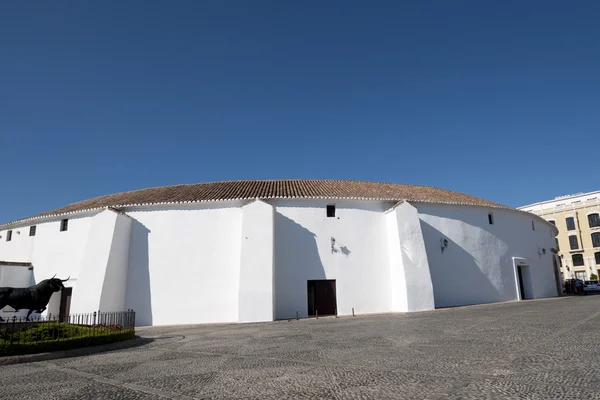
481,97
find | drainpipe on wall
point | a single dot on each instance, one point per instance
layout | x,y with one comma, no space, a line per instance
579,229
581,240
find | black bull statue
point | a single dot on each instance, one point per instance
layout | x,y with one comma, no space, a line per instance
33,298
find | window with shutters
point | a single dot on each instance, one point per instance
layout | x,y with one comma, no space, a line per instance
8,236
594,220
32,230
596,239
570,223
573,242
578,260
597,256
64,225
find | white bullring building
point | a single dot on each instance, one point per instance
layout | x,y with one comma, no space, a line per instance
245,251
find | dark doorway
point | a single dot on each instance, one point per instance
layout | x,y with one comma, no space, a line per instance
321,297
521,287
557,276
65,304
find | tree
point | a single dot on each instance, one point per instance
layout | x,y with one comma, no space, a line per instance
593,277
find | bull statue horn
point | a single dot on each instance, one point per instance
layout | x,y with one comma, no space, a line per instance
53,276
64,280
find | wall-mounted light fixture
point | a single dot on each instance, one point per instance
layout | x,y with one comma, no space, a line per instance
443,244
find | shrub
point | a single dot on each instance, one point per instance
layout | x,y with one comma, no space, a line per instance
55,336
593,277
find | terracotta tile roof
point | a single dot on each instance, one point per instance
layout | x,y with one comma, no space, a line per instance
269,189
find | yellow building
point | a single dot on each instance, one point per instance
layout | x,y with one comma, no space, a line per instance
577,218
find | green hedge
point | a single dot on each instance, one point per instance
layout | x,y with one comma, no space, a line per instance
43,338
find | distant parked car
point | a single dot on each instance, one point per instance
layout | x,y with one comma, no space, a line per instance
591,286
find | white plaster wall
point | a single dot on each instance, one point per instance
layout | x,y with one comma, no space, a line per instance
15,276
59,253
193,263
477,266
184,264
413,262
103,273
256,296
138,294
50,251
115,279
360,263
86,296
399,300
21,246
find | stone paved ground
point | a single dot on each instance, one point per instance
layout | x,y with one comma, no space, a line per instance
545,349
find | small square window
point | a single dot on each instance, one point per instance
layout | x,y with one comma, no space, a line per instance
331,211
32,230
8,236
491,218
64,225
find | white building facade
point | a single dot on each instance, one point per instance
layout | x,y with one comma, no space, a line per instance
249,251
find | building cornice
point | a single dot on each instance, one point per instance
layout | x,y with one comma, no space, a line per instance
50,217
120,208
563,199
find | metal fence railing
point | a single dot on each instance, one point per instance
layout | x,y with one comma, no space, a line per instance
59,328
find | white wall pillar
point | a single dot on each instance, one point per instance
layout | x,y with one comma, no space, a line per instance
256,294
412,289
398,283
102,278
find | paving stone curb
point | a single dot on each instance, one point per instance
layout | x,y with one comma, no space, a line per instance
83,351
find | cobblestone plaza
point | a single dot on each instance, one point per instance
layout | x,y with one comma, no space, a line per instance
541,349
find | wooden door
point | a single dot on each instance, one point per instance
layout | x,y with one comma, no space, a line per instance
322,297
65,304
